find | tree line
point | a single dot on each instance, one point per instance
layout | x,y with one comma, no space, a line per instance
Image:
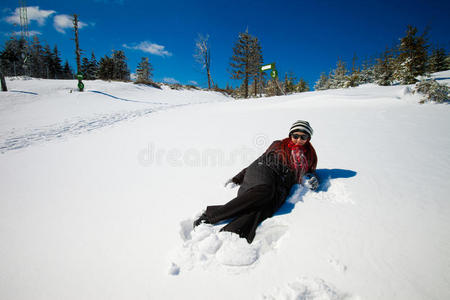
22,58
245,65
33,59
402,64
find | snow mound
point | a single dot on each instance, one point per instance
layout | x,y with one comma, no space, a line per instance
307,289
208,247
236,251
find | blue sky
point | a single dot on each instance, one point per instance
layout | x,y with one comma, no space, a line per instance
305,37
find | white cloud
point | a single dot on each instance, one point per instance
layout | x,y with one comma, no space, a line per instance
193,82
150,48
62,22
34,13
34,32
18,33
170,80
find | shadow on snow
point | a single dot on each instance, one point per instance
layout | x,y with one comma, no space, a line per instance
123,99
325,176
24,92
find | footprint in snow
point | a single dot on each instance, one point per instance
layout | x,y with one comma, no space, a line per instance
337,265
305,288
336,193
207,247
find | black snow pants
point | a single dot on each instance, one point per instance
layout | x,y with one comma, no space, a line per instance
256,201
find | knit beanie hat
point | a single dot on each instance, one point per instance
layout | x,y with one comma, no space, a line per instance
302,126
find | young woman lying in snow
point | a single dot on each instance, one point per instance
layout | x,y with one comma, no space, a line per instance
266,183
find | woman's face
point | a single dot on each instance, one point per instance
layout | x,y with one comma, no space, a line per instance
299,138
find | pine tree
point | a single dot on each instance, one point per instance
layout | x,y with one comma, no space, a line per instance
120,70
354,77
367,74
339,78
246,60
58,69
67,71
302,86
253,87
236,92
239,92
84,68
49,66
12,57
437,60
432,91
257,61
412,59
36,59
106,68
272,87
289,83
384,69
89,67
447,62
261,83
144,71
31,58
93,67
228,87
323,83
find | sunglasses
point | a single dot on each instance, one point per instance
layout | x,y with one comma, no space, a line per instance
303,137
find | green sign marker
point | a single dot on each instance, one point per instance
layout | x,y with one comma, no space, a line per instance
80,83
268,67
274,74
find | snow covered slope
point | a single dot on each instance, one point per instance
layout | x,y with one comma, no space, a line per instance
37,109
106,213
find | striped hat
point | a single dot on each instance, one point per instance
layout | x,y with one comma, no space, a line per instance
302,126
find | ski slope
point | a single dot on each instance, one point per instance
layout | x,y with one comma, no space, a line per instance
99,190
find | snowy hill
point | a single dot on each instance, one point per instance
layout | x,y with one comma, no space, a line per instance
54,108
99,190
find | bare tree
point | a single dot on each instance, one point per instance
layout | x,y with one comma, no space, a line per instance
77,44
203,55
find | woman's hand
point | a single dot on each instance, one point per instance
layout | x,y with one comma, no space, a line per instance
230,184
311,181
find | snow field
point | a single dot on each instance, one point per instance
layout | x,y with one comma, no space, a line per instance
37,110
107,213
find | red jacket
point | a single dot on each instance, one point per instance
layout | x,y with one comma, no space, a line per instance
283,150
278,157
